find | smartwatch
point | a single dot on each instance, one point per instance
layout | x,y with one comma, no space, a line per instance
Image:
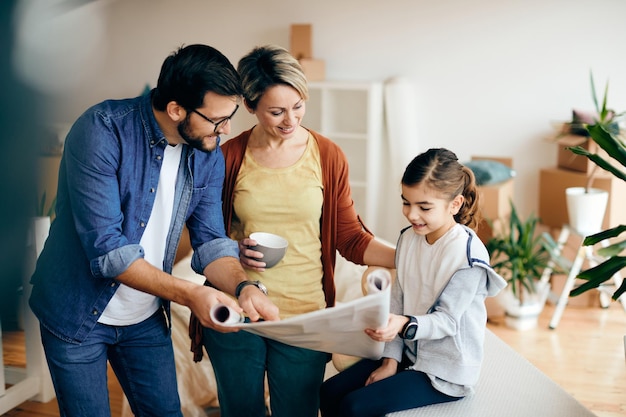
409,329
244,284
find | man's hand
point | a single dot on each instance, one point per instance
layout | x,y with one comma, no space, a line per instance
204,299
257,305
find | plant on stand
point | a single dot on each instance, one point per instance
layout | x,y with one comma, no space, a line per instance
604,134
587,205
521,254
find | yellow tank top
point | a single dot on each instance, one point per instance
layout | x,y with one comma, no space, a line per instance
287,202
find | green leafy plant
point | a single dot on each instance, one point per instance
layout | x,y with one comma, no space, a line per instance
40,206
608,119
520,253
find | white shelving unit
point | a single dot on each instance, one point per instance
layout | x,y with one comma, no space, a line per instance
351,114
32,382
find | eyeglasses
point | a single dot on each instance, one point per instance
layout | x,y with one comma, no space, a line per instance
219,122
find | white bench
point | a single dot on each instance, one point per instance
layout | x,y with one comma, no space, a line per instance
509,386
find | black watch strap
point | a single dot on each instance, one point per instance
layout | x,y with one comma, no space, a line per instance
409,329
244,284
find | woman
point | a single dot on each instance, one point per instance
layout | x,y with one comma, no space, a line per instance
284,179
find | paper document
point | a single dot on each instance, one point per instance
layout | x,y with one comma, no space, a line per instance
338,329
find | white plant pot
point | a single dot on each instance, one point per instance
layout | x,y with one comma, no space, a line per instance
39,232
523,316
586,210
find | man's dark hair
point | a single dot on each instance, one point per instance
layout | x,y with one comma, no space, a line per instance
192,71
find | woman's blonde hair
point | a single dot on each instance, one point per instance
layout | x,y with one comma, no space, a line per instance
267,66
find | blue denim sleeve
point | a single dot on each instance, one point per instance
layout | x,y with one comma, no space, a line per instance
115,262
92,159
206,223
212,250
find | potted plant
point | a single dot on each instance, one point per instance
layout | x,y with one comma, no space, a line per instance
521,254
609,140
40,223
586,205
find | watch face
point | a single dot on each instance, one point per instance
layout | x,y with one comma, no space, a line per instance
410,331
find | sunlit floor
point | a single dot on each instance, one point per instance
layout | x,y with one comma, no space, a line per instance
585,354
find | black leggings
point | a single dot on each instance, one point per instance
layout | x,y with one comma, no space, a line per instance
345,394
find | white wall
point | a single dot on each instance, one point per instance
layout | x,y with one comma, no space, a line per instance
490,76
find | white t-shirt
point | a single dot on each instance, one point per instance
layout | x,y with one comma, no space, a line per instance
128,305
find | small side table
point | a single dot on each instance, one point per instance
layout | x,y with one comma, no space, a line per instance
583,253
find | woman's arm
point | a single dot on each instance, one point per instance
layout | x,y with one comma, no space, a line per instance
380,254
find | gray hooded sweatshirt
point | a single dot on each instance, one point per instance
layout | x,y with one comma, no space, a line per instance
444,285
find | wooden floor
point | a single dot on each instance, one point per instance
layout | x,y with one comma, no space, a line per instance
585,355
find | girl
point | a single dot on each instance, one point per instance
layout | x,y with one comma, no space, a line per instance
435,333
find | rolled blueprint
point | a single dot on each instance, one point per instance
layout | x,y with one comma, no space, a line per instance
223,314
378,280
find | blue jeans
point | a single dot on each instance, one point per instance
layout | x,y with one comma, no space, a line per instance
240,361
346,395
141,356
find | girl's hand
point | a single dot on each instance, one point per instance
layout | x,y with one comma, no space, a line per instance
387,369
249,258
387,334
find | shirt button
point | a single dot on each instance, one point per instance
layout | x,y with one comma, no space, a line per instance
142,224
158,157
152,189
95,312
113,284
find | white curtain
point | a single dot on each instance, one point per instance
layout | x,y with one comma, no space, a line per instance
402,146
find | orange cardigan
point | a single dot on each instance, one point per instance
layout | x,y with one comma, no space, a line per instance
341,227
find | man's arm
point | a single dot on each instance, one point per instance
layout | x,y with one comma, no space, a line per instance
224,273
143,276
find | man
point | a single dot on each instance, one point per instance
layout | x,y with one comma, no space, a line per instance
133,173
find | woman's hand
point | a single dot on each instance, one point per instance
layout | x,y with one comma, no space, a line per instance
249,258
387,334
388,368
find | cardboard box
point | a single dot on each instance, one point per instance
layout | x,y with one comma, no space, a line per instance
552,203
490,228
567,159
314,69
301,41
494,200
495,311
587,299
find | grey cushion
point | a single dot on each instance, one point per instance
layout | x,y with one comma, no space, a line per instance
509,386
489,172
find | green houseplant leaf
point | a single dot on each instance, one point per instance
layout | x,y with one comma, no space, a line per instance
40,206
601,273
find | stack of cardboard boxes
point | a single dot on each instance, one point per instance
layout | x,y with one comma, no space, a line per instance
574,171
494,201
301,47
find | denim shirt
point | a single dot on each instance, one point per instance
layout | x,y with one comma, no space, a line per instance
108,177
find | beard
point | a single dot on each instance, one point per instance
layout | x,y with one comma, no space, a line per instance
196,142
